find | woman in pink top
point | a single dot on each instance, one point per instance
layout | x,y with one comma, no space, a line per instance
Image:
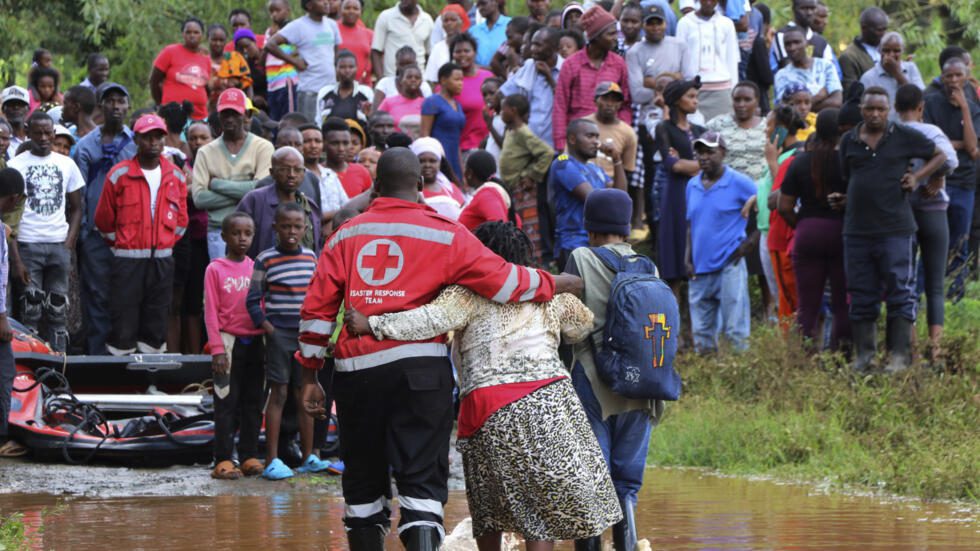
408,101
463,49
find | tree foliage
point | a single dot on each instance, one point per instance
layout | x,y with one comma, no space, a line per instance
131,32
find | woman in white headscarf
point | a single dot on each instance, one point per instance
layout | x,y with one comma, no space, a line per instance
438,190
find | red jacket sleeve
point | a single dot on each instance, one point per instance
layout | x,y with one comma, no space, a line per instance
182,216
318,316
480,270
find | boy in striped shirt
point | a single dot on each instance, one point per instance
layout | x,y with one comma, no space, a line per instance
280,280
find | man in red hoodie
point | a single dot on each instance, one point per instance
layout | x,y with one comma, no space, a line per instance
394,398
142,213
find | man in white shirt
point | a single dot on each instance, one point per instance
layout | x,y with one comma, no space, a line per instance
711,41
47,233
404,24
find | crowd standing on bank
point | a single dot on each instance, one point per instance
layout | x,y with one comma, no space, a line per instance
319,203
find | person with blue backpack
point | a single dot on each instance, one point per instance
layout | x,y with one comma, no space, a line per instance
624,370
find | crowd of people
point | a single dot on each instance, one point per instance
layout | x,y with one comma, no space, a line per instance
318,204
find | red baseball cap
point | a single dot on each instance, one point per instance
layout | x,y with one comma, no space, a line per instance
149,122
234,99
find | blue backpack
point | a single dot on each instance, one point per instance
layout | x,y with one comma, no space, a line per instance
639,341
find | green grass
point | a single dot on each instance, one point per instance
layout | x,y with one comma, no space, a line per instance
12,535
774,410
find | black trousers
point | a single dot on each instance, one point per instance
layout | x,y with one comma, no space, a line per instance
242,407
140,291
322,426
647,149
395,418
7,373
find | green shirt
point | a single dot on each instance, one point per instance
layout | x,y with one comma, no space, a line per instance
524,155
765,186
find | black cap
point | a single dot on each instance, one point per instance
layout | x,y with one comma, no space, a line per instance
107,87
654,11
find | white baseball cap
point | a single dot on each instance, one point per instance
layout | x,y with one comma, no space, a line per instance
15,93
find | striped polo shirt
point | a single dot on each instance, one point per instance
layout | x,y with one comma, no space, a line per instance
280,281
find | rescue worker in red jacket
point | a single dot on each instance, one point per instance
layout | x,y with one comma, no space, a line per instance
142,212
394,399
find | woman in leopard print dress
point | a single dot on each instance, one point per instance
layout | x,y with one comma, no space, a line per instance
532,463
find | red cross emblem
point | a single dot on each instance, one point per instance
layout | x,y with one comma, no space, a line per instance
658,332
380,261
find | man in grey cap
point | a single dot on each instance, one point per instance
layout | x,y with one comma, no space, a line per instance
15,104
95,154
656,54
717,199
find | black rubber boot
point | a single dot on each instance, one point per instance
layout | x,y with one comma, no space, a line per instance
590,544
366,538
898,340
421,538
624,531
865,345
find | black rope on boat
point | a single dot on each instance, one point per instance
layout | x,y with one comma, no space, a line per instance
91,418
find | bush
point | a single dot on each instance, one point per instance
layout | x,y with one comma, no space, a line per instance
775,410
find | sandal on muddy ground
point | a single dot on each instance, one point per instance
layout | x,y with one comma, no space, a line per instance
11,448
277,470
252,467
226,470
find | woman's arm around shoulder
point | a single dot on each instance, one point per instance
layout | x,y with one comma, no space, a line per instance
573,315
452,309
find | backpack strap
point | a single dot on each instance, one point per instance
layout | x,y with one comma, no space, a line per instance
636,263
608,258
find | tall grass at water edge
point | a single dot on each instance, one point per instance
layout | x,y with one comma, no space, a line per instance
775,410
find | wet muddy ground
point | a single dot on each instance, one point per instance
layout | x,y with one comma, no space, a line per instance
67,507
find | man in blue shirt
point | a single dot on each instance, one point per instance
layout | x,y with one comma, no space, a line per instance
491,33
573,177
716,245
536,80
95,154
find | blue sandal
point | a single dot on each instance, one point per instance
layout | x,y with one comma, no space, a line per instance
313,464
277,470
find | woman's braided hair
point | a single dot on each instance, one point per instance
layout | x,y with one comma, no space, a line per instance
508,241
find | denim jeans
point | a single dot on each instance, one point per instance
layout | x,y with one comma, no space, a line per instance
960,216
216,245
48,265
95,264
281,101
7,373
623,438
720,305
306,104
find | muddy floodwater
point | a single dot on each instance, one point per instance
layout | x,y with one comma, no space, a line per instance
106,508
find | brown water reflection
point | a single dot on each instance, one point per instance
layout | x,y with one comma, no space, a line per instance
679,509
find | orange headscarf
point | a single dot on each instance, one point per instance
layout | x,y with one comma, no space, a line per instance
458,10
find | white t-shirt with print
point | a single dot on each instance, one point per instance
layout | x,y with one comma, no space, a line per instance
47,183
